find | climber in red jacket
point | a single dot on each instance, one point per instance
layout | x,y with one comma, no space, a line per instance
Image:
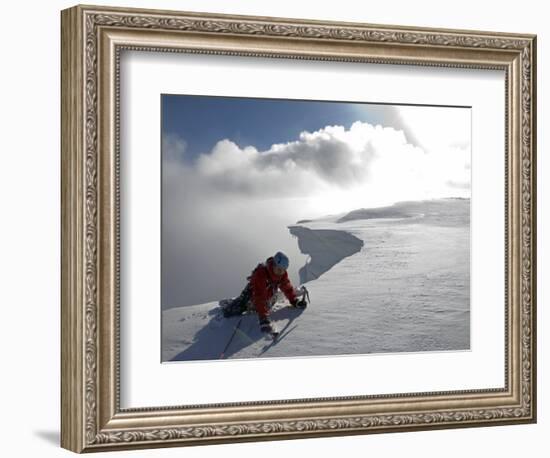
262,286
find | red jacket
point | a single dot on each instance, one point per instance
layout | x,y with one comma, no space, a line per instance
265,283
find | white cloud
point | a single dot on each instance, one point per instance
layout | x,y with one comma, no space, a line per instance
173,148
437,128
364,158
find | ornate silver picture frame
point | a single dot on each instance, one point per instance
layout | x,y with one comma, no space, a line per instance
93,416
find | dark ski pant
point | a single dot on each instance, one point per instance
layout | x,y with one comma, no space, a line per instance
239,305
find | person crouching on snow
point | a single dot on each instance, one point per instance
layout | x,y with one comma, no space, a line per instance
261,290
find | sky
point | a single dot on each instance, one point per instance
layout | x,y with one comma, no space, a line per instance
237,171
203,121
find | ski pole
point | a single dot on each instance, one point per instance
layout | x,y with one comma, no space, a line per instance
231,339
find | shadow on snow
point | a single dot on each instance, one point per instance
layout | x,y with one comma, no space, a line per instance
211,342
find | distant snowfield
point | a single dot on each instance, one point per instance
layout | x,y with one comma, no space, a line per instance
402,285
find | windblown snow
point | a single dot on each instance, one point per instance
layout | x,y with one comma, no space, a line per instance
392,279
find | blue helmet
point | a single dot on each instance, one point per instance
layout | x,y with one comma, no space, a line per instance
281,260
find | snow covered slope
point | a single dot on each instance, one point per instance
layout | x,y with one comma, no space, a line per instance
406,289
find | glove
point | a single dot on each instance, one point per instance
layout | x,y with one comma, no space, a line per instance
265,325
299,304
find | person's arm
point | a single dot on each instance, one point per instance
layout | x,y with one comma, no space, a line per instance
288,290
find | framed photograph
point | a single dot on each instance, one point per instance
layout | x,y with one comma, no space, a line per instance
278,228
